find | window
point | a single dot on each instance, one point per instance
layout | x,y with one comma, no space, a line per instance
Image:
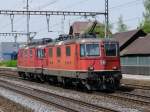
135,61
92,49
40,53
89,50
21,53
31,53
144,60
82,50
68,52
51,52
111,49
25,53
58,52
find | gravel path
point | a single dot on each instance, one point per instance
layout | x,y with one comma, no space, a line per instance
94,99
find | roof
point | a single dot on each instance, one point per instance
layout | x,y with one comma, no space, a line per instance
123,37
126,38
69,41
139,46
80,27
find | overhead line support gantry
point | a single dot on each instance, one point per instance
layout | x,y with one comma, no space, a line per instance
63,13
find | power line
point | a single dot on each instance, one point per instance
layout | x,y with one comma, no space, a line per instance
21,17
126,4
47,4
128,20
75,4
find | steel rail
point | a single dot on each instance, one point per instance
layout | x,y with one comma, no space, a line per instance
49,98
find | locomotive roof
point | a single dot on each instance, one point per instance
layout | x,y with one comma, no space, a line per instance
74,40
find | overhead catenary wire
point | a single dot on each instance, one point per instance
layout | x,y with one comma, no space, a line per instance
67,7
118,6
52,2
47,4
18,20
114,7
126,4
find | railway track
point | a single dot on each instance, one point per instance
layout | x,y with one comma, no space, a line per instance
136,86
123,96
12,72
128,97
64,103
146,99
9,72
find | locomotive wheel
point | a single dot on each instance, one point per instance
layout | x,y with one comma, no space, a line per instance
31,77
86,87
24,76
40,78
65,82
117,84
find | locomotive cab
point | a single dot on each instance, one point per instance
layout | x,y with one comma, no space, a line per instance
100,60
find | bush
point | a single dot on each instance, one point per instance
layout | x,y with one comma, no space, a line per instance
10,63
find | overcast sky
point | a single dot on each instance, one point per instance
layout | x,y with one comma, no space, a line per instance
131,10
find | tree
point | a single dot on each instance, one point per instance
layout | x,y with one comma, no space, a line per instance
146,22
100,29
121,27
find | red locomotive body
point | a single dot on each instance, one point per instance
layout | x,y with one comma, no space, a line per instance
88,62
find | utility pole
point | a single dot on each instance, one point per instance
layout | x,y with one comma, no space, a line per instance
28,26
106,19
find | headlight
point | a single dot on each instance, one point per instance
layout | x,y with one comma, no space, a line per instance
103,62
115,68
91,68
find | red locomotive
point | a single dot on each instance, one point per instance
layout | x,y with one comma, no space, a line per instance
84,61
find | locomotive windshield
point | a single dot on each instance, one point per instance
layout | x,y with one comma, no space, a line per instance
89,49
111,49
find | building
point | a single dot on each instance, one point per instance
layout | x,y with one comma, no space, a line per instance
79,27
83,27
8,50
134,52
126,38
135,58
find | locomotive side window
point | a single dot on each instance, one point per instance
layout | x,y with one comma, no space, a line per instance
111,49
89,50
25,53
21,53
68,52
31,53
82,50
58,52
40,53
51,52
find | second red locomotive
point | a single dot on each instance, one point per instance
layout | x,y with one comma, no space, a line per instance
86,61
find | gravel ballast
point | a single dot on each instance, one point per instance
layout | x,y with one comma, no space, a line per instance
9,106
32,104
94,99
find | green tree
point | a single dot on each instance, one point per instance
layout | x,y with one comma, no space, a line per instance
146,22
100,29
121,27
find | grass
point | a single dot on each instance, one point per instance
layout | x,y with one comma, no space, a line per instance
10,63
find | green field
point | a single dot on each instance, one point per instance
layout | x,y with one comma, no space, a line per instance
10,63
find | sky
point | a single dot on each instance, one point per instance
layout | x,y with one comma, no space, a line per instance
131,10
